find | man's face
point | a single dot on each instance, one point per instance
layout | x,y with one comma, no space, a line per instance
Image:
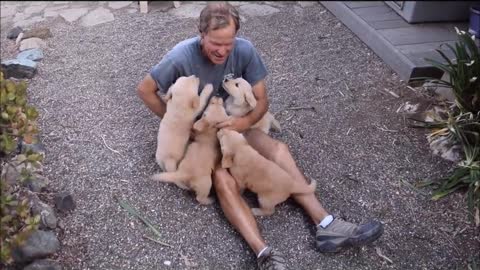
217,44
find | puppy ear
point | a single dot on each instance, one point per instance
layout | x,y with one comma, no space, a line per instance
250,98
227,161
200,125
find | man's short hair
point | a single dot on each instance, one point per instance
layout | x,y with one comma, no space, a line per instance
216,16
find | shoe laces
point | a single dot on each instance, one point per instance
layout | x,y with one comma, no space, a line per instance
339,225
272,260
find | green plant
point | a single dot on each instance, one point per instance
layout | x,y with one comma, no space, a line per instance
463,71
17,117
464,129
462,125
17,121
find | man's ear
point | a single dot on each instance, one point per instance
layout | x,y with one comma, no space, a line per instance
250,98
200,125
227,160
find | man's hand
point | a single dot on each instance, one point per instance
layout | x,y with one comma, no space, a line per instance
239,124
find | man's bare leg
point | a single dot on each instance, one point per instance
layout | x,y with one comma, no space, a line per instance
236,209
279,153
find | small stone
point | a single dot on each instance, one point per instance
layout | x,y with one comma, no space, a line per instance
43,265
41,32
13,34
19,68
32,54
32,43
64,202
39,244
167,263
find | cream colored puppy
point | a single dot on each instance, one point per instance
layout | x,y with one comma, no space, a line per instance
241,101
183,105
251,170
195,170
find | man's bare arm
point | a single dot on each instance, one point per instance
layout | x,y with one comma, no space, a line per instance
147,91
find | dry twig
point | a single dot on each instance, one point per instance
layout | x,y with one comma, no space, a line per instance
302,108
156,241
386,129
391,92
105,143
379,253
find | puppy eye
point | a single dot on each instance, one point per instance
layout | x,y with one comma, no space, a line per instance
236,85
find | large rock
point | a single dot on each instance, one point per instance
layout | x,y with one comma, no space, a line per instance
40,32
43,265
32,43
39,244
32,54
119,4
14,32
258,10
19,68
7,11
71,15
98,16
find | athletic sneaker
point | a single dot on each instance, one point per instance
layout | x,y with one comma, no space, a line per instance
339,234
271,260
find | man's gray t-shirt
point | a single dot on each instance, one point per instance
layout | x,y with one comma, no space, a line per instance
186,59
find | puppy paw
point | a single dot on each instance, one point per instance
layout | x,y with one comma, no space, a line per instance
257,212
208,89
205,201
262,212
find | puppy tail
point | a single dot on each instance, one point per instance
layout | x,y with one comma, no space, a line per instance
308,189
170,177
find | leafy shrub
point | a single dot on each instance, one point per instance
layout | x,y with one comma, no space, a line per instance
462,125
17,123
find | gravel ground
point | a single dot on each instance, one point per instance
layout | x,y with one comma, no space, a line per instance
85,91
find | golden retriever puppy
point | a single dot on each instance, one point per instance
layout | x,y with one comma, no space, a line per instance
251,170
195,170
183,106
241,101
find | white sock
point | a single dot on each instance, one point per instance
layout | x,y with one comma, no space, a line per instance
326,221
261,251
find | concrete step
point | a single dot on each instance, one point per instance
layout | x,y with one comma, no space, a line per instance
401,45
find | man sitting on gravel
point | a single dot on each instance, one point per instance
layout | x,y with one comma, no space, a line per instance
213,56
